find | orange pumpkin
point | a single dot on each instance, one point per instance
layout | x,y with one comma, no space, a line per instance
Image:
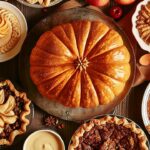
80,64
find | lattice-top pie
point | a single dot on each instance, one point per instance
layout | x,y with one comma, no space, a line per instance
14,107
108,133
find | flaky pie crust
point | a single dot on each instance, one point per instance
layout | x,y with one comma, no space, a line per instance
108,119
24,120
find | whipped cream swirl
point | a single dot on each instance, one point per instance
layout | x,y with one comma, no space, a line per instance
10,30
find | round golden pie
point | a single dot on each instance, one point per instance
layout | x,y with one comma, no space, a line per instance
80,64
14,107
108,133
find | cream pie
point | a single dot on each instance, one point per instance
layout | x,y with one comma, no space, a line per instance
10,30
108,133
14,107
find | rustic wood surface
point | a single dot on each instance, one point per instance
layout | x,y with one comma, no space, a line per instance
130,107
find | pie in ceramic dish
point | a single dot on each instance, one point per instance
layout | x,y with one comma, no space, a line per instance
10,30
14,107
80,64
108,133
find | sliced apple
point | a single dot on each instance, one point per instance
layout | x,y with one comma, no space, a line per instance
2,96
1,123
8,106
9,119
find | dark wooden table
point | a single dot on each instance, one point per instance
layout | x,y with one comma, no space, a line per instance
130,107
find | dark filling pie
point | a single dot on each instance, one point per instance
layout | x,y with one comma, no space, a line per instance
109,137
19,107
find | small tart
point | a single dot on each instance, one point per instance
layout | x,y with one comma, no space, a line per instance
108,133
14,107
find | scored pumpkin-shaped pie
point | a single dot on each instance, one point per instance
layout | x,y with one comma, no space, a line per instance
80,64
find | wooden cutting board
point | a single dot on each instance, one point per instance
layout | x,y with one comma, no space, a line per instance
142,72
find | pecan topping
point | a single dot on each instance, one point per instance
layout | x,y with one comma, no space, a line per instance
109,137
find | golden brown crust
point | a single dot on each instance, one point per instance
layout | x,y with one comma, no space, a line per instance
70,53
24,120
108,119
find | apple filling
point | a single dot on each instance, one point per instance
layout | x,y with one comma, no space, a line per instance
11,108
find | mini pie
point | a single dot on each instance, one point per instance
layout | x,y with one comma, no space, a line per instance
10,30
14,107
80,64
108,133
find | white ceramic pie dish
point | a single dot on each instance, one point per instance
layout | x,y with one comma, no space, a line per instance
43,130
38,5
23,24
144,108
135,32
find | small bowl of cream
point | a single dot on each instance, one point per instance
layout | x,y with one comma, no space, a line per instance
44,140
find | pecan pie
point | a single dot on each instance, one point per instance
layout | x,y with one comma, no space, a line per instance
108,133
14,107
143,23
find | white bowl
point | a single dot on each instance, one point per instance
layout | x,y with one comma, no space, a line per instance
38,5
23,24
135,31
144,108
44,130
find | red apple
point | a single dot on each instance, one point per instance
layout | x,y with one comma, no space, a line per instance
124,2
98,2
115,12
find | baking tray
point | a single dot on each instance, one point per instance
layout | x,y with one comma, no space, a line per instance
56,109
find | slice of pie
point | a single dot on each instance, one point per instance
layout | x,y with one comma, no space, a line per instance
108,133
14,107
